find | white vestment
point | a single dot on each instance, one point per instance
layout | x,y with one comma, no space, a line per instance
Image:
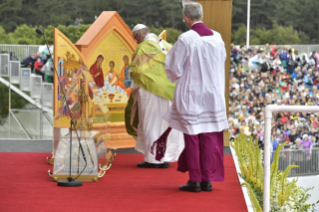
198,65
151,109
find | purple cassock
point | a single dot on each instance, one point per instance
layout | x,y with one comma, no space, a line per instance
202,29
203,156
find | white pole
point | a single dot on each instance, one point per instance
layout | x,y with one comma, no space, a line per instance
267,134
9,109
267,144
248,23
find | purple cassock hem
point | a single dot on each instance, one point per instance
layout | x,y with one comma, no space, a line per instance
203,157
160,144
202,29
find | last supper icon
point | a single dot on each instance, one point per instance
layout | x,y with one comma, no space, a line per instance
113,84
105,53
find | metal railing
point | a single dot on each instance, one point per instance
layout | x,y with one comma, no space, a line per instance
269,109
21,51
306,159
299,48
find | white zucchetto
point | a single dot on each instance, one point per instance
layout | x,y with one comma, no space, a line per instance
139,27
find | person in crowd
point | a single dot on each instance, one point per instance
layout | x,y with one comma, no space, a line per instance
78,21
274,141
234,52
49,70
13,57
292,136
298,156
38,55
306,141
81,21
308,81
284,58
38,68
294,72
232,62
45,54
299,79
29,62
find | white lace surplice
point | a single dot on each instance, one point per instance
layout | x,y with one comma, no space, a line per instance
198,65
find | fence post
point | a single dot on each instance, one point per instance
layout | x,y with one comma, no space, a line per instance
267,158
290,152
9,111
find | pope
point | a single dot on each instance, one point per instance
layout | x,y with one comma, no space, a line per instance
151,96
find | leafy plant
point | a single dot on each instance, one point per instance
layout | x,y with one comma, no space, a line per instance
284,195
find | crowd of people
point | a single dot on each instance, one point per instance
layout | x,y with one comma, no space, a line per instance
40,64
270,75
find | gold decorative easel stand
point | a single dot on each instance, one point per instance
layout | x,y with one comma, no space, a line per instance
88,178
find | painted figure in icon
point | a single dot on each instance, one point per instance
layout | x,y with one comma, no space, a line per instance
97,72
64,81
72,99
125,80
111,79
111,82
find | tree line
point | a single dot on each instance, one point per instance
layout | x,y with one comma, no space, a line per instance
267,17
24,34
157,13
301,16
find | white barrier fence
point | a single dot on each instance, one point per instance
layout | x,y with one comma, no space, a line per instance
15,72
267,143
25,80
306,159
21,51
4,65
39,95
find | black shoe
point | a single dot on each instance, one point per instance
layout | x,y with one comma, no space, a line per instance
164,165
148,165
206,186
153,165
191,186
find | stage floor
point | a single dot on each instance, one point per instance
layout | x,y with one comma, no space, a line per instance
26,186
